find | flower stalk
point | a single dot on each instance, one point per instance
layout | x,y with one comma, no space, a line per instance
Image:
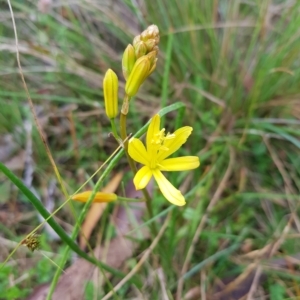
123,119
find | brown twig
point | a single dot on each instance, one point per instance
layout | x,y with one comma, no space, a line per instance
40,130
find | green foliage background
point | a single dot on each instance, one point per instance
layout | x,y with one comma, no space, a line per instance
234,64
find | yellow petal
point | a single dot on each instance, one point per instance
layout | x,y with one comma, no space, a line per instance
153,129
142,178
174,144
180,163
137,151
168,190
99,197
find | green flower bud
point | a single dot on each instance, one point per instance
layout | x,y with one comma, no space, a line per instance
128,61
110,90
138,75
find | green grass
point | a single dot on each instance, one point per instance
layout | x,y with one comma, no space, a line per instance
235,66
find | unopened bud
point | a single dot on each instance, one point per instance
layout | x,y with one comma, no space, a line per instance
140,49
138,75
153,66
128,61
149,37
110,91
152,57
136,40
150,44
151,32
100,197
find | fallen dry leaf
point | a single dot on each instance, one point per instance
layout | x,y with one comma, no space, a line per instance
96,210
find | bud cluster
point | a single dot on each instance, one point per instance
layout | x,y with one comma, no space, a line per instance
139,59
147,41
138,62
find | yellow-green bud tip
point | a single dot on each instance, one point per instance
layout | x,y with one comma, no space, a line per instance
128,61
110,91
140,49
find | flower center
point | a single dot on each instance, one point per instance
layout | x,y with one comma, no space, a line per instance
159,142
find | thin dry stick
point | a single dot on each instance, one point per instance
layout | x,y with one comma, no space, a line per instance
141,261
203,220
223,123
73,134
40,130
255,283
203,93
162,281
202,285
237,281
279,165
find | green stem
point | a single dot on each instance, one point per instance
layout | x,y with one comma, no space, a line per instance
124,138
130,199
114,130
132,165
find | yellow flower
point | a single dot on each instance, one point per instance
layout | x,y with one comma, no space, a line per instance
99,197
154,158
